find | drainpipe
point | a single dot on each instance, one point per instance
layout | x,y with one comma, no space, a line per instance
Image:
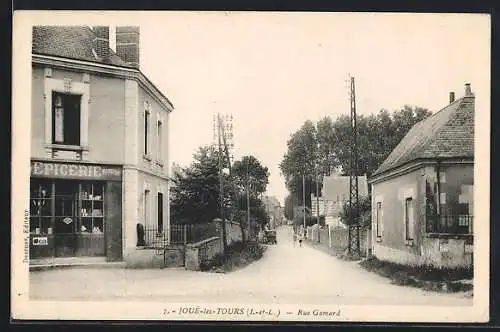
438,207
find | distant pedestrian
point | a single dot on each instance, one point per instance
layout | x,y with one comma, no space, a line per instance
301,237
294,238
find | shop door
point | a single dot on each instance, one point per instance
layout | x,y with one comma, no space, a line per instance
65,227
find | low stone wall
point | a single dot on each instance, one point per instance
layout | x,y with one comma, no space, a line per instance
336,237
197,253
144,258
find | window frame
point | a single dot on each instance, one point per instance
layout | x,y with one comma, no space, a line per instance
378,220
147,138
159,143
409,220
65,97
66,86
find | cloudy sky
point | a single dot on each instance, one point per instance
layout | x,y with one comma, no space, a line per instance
273,71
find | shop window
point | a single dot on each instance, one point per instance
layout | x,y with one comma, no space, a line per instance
91,204
65,118
41,201
409,219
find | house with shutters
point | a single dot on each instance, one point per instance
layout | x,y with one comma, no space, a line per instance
99,145
422,194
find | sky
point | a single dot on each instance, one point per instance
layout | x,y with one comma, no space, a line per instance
273,71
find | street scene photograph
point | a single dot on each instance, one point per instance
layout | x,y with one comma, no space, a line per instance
252,165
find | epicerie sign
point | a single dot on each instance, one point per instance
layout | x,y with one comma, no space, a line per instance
66,170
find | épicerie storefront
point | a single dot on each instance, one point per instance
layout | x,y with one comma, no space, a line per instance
75,210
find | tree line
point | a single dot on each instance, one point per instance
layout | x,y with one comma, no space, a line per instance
195,193
320,149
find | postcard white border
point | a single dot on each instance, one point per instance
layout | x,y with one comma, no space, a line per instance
23,308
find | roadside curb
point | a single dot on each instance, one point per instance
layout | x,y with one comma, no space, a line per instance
46,267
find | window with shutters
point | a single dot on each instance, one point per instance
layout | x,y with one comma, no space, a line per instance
409,227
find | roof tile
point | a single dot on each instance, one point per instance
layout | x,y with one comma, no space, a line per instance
74,42
448,133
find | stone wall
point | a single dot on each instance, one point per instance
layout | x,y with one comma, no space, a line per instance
145,259
203,251
337,237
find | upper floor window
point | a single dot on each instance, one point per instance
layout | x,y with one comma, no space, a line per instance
66,118
160,140
147,115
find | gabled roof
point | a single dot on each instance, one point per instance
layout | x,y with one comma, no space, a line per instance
448,133
73,42
337,185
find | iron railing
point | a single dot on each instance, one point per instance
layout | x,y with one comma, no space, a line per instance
180,234
450,224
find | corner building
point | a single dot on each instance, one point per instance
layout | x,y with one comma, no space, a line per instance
99,145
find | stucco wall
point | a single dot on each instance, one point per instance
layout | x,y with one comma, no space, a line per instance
392,194
436,252
456,187
157,162
37,114
106,114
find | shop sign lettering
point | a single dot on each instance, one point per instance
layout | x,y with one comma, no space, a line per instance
60,170
40,241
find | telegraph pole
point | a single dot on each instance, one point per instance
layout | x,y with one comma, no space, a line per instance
248,203
221,182
223,137
354,245
304,199
317,204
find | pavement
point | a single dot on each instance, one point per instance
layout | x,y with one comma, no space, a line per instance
285,275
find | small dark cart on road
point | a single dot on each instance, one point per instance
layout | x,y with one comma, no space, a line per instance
270,236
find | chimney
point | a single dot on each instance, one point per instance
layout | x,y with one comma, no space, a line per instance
100,44
452,97
127,44
468,91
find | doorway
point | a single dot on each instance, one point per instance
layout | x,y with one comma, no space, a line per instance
65,218
160,213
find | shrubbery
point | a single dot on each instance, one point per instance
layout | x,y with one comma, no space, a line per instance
427,277
238,254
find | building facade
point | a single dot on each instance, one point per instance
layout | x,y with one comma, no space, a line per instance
422,195
99,144
334,195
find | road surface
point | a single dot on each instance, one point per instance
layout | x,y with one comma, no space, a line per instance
285,275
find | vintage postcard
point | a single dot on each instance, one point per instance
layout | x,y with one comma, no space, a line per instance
251,166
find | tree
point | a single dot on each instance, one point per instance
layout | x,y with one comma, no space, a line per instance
249,178
328,146
301,160
364,212
249,170
196,190
290,203
326,139
377,135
